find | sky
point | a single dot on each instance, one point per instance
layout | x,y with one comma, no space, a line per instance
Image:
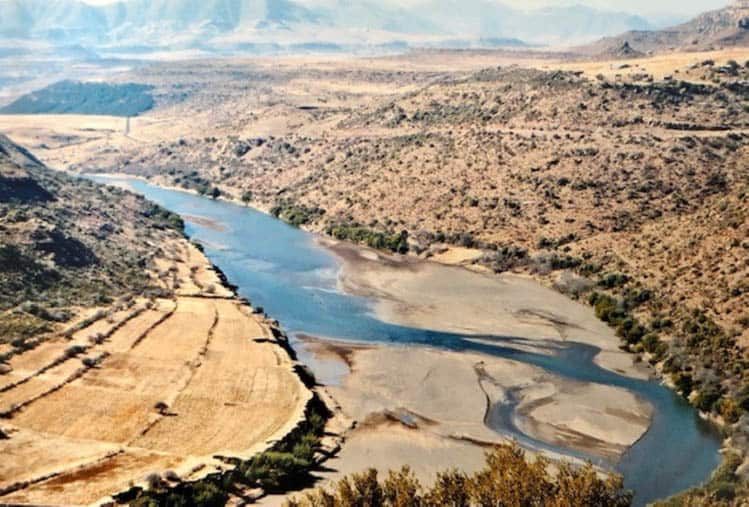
679,8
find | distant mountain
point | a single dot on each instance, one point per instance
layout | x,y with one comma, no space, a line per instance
719,28
230,24
577,24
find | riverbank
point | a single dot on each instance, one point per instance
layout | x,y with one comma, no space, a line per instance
294,280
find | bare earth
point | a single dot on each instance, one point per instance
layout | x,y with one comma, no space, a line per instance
426,407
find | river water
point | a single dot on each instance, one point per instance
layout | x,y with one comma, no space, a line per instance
283,270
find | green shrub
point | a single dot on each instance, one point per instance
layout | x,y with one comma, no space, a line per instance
707,397
296,215
684,383
630,330
607,308
395,242
273,470
613,280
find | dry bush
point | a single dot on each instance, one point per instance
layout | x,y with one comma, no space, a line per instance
508,479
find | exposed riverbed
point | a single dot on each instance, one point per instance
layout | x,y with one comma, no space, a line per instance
525,362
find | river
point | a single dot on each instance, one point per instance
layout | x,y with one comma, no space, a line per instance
283,270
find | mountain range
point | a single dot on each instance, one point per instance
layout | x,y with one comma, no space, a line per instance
146,25
724,27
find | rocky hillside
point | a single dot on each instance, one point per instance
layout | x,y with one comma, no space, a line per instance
68,244
727,27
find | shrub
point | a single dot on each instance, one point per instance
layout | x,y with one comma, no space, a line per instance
207,494
296,215
630,330
706,397
75,350
607,308
613,280
154,481
684,383
161,407
729,410
171,476
507,479
395,242
272,470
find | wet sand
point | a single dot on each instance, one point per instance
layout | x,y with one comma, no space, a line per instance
430,295
428,408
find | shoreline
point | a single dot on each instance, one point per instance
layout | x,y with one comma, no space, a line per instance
347,252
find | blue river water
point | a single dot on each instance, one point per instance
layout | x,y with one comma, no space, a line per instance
283,270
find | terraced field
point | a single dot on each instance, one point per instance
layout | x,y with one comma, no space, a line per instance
178,384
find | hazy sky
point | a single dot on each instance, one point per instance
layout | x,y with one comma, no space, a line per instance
669,7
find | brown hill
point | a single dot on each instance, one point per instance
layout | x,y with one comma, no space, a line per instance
67,243
727,27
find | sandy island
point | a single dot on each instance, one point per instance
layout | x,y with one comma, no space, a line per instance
431,295
428,408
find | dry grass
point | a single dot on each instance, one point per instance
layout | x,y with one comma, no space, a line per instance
224,392
238,396
659,65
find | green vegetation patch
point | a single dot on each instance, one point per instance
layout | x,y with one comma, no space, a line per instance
393,241
73,97
296,214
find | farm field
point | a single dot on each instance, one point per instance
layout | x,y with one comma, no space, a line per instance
165,384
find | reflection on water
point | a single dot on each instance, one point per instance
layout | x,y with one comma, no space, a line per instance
283,270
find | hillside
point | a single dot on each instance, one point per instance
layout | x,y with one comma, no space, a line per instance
725,27
633,187
67,245
69,97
